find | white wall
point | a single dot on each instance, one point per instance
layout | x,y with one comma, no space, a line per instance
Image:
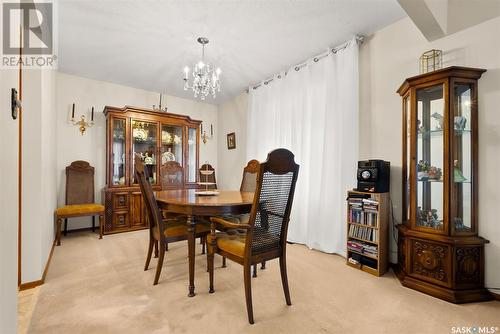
232,118
39,177
8,205
390,56
91,146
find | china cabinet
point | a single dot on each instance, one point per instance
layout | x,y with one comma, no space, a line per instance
158,137
439,250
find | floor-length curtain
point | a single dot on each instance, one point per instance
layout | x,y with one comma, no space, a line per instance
314,113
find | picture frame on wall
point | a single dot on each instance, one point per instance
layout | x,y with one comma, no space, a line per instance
231,141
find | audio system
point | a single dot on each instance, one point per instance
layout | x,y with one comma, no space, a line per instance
374,176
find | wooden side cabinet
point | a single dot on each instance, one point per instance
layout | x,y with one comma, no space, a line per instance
158,137
439,250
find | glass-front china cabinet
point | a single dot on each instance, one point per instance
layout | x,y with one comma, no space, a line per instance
157,137
439,250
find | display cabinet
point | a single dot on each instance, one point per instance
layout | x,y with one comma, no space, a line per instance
156,136
439,250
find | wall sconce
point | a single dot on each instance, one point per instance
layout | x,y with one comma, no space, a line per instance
204,135
82,123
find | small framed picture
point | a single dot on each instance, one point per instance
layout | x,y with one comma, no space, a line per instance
231,141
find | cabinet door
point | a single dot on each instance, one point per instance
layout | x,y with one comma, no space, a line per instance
430,175
118,158
464,156
137,210
172,143
192,156
145,143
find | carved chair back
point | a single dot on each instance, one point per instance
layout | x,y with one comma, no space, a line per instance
250,173
79,183
172,175
272,203
152,210
208,178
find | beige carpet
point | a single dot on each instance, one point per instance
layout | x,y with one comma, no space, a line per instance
99,286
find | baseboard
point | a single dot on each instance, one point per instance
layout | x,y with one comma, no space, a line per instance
30,285
34,284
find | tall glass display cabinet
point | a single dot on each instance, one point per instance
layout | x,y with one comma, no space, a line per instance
439,250
157,137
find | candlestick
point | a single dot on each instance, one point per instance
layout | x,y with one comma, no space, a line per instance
73,112
92,115
211,130
201,130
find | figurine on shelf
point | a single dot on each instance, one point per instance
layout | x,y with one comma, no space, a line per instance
458,177
420,127
459,224
422,170
434,173
439,120
428,218
459,123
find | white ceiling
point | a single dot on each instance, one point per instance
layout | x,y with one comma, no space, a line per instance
146,44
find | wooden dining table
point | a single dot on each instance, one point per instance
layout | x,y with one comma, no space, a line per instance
192,205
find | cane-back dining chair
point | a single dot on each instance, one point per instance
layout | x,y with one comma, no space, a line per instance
79,198
266,231
161,230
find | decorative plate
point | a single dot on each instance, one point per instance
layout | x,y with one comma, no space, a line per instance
167,156
140,134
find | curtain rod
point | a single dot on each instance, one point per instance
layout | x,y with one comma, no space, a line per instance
359,40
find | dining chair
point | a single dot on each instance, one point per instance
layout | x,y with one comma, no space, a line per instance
172,176
248,184
210,178
161,230
79,200
265,233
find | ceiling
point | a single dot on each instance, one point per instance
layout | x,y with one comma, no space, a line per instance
146,44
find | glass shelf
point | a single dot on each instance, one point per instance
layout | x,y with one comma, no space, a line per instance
440,132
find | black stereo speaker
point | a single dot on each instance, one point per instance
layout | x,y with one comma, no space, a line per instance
374,176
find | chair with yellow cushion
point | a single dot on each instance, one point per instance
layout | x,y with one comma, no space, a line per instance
79,198
163,228
263,238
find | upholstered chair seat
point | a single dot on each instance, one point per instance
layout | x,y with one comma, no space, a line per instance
178,228
79,209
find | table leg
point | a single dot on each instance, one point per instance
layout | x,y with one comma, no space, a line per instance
191,227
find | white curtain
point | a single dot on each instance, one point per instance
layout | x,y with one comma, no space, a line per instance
314,113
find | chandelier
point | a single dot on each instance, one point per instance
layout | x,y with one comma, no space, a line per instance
205,79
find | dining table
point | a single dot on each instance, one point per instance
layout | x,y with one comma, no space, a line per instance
195,206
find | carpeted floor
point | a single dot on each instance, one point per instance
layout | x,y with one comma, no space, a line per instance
99,286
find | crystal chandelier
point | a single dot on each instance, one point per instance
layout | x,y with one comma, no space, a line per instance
205,79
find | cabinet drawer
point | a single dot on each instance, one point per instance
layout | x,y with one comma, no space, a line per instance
430,261
120,201
120,220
